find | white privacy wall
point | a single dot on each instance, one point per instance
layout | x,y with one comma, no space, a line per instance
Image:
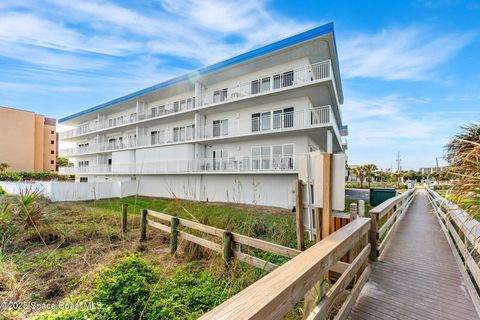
57,191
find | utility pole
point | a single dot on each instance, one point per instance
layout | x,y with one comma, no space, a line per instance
399,159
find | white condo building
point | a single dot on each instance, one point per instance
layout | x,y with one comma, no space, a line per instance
232,131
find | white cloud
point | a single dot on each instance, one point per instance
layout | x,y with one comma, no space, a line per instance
393,54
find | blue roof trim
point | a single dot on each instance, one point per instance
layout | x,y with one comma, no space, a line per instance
293,40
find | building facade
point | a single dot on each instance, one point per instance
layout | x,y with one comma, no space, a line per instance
28,141
230,132
430,170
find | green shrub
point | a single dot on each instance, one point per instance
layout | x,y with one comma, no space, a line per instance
34,176
10,176
123,290
2,192
186,295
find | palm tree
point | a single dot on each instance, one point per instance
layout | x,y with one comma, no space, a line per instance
4,166
359,172
463,153
369,170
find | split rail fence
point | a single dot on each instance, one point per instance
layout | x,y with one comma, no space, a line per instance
229,244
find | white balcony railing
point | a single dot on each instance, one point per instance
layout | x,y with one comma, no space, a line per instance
269,83
275,122
280,163
261,85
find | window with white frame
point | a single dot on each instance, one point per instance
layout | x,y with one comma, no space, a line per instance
83,179
83,163
220,128
276,119
275,157
157,137
190,132
220,95
262,85
184,133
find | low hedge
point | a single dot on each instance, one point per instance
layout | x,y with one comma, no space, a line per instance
33,176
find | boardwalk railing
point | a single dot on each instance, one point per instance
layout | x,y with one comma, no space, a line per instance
383,219
463,233
230,244
273,296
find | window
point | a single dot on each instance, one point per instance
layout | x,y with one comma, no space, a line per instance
283,80
112,122
153,112
133,117
52,142
52,132
266,116
283,118
277,83
220,127
52,152
83,163
52,161
287,78
255,122
83,179
83,145
190,103
255,86
183,105
220,159
277,157
220,95
190,132
157,137
179,134
176,106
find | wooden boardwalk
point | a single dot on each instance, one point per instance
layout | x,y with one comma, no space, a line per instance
417,276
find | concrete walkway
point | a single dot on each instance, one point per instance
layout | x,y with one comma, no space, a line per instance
417,276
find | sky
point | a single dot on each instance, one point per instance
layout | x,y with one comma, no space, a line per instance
410,69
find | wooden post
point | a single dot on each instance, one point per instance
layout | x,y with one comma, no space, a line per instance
361,208
299,215
124,217
353,211
174,234
327,219
143,225
318,223
372,235
227,246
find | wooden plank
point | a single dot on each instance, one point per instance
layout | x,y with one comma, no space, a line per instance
158,226
275,294
317,215
320,311
299,216
265,246
202,227
254,261
159,215
352,298
327,223
200,241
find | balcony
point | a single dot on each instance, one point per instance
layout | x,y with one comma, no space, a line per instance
266,84
245,164
263,124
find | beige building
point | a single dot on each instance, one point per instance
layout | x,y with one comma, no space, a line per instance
28,141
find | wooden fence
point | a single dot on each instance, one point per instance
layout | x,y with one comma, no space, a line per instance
383,219
278,292
229,244
463,235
